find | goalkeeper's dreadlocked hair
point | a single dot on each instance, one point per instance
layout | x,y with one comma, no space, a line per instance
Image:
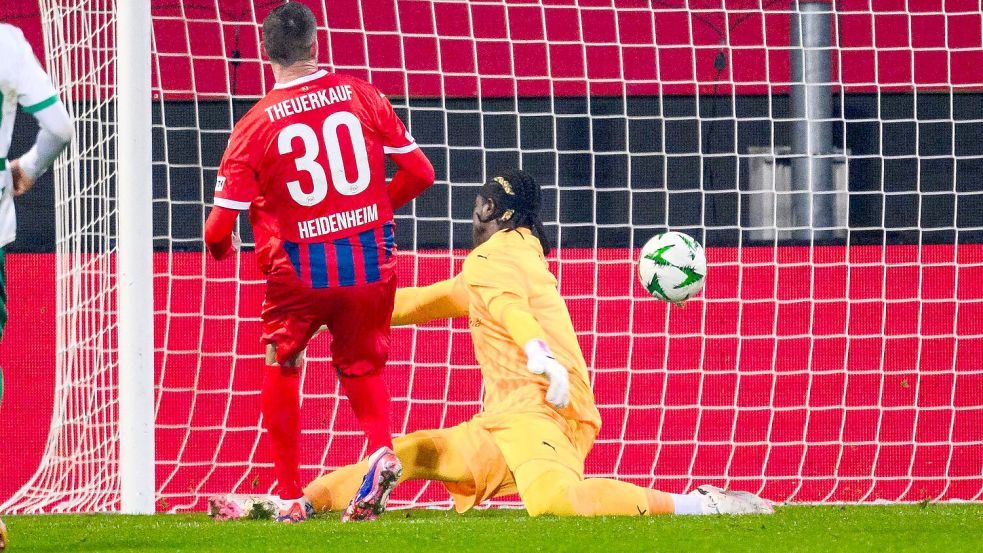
518,201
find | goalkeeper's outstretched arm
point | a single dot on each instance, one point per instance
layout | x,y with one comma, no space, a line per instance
443,300
421,304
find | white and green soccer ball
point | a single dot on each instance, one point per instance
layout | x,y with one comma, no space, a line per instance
672,267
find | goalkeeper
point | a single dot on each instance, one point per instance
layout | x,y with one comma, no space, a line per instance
539,419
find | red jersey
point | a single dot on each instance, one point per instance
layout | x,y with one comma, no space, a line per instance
308,162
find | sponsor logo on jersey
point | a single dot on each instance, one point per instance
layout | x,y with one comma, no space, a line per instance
308,102
312,228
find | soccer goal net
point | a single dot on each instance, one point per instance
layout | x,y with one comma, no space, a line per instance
827,155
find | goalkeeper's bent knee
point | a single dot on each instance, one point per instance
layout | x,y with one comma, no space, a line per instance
567,499
549,494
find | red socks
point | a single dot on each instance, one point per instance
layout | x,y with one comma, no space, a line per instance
280,403
370,401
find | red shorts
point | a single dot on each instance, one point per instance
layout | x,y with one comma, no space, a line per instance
358,318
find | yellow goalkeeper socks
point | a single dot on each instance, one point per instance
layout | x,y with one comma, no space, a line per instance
333,491
422,455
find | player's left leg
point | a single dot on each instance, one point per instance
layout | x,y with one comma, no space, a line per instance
359,324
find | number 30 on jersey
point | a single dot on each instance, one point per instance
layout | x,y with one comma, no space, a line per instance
312,147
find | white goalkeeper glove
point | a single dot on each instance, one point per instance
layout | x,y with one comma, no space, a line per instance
236,242
542,361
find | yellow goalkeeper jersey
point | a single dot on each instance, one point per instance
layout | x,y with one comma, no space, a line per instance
509,264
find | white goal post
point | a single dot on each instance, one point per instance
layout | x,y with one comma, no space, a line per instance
827,156
136,246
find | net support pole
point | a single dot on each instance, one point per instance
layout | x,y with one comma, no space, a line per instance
135,257
812,187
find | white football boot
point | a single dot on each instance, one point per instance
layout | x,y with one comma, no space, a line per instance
258,507
716,501
239,506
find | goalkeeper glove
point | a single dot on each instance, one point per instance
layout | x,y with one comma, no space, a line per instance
542,361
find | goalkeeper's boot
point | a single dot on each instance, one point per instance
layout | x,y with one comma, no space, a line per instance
371,498
239,506
3,536
716,501
294,511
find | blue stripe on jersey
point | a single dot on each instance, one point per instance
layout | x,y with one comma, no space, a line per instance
319,265
293,252
370,255
346,262
388,238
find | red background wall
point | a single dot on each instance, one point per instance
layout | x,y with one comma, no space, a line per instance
886,45
892,354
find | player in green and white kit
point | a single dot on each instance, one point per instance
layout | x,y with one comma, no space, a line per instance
24,82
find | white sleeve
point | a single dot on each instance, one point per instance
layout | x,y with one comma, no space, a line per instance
56,132
37,96
34,89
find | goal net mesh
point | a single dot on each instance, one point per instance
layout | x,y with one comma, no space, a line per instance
842,365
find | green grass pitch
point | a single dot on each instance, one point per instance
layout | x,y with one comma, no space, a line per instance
925,527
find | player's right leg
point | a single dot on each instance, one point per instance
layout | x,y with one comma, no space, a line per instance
558,492
280,405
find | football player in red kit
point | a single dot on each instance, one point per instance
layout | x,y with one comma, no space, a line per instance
308,163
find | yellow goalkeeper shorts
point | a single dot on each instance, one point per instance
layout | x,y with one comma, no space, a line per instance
496,447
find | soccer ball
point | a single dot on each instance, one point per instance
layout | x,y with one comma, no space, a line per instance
672,267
